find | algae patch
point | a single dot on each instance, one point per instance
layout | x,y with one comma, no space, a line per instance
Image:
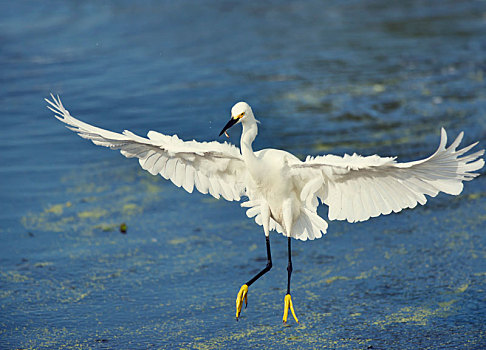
177,241
462,288
419,316
131,209
336,278
92,214
58,208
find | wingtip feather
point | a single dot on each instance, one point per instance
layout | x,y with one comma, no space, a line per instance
443,138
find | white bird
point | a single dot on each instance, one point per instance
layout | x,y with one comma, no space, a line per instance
282,192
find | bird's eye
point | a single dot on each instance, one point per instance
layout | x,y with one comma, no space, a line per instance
242,114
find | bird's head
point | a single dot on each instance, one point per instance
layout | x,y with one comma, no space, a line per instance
241,112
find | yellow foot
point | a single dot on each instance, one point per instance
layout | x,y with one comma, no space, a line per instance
287,304
242,296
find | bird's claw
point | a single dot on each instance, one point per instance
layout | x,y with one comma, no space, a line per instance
242,296
287,304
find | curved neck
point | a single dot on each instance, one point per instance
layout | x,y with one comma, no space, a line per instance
249,133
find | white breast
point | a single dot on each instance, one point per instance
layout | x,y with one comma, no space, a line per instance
273,181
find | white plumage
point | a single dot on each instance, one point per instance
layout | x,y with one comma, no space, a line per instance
283,192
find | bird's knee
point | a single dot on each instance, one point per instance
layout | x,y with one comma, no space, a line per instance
289,268
269,265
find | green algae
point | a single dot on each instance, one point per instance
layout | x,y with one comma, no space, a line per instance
418,315
84,209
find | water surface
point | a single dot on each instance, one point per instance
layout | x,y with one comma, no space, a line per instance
323,77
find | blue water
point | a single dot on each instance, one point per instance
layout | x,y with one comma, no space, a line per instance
323,77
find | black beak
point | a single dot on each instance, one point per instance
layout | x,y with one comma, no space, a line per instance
228,125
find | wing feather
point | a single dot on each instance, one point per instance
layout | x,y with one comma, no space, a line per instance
384,206
189,179
180,172
356,188
203,183
159,165
213,167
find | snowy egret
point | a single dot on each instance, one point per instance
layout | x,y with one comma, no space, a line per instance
283,192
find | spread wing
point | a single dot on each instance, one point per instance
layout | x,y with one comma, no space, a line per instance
211,167
356,188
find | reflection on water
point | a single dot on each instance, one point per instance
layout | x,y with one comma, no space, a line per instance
339,76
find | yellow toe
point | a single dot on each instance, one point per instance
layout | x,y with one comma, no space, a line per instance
288,304
242,296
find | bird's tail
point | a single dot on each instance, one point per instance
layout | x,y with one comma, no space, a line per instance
309,225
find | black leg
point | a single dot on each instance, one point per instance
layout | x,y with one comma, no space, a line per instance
243,293
288,298
267,268
289,267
